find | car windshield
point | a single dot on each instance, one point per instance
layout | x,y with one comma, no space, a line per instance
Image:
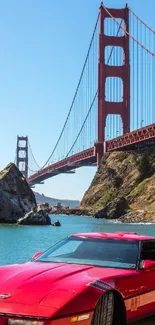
93,251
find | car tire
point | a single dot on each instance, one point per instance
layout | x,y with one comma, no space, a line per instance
103,314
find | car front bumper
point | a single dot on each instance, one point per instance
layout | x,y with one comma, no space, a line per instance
83,319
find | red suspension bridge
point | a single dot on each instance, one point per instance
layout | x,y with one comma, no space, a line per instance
113,107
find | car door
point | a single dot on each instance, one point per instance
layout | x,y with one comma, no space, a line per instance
147,278
138,288
142,284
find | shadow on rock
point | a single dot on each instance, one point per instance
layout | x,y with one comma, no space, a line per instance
114,209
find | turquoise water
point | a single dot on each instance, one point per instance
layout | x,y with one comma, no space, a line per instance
19,243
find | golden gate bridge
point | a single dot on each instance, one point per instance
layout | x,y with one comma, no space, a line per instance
113,107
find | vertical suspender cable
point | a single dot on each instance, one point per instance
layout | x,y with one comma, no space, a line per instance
134,74
137,80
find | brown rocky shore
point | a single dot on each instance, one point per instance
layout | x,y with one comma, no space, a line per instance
75,211
137,216
123,189
17,200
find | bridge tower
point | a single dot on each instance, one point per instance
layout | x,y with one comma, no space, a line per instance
22,155
104,71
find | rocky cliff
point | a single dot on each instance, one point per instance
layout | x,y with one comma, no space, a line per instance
16,197
123,185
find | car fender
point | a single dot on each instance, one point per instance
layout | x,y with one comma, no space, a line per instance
87,298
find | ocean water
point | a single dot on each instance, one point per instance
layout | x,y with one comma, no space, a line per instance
19,243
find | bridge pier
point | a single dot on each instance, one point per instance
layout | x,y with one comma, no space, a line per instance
105,71
22,155
100,151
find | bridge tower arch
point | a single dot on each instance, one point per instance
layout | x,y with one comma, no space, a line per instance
104,71
22,155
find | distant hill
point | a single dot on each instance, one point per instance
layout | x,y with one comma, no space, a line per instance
41,198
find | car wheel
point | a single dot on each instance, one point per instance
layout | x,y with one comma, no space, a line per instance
103,314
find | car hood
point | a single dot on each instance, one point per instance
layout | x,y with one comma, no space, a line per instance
49,284
29,283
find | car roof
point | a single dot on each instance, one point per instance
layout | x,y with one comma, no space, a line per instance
115,235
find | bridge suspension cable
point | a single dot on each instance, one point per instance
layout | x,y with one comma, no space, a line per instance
142,74
126,32
33,156
88,113
31,171
142,63
73,101
141,21
79,131
82,125
15,159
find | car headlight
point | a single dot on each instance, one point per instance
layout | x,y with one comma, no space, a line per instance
23,322
79,318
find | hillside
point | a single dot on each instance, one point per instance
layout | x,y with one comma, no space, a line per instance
41,198
123,185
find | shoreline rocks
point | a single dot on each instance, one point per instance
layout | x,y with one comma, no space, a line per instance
37,217
114,209
56,223
16,197
76,211
40,218
123,183
137,216
17,200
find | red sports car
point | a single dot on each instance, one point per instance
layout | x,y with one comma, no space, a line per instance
92,279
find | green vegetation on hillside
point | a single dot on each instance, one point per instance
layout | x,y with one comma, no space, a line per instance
130,175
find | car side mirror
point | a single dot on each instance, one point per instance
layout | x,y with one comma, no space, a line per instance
36,255
147,264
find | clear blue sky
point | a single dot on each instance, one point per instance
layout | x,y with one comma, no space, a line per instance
43,45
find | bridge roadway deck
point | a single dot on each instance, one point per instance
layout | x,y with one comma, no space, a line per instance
67,165
136,140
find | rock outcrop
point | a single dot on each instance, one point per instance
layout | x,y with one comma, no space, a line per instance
56,223
77,211
16,197
35,217
114,209
138,216
123,184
